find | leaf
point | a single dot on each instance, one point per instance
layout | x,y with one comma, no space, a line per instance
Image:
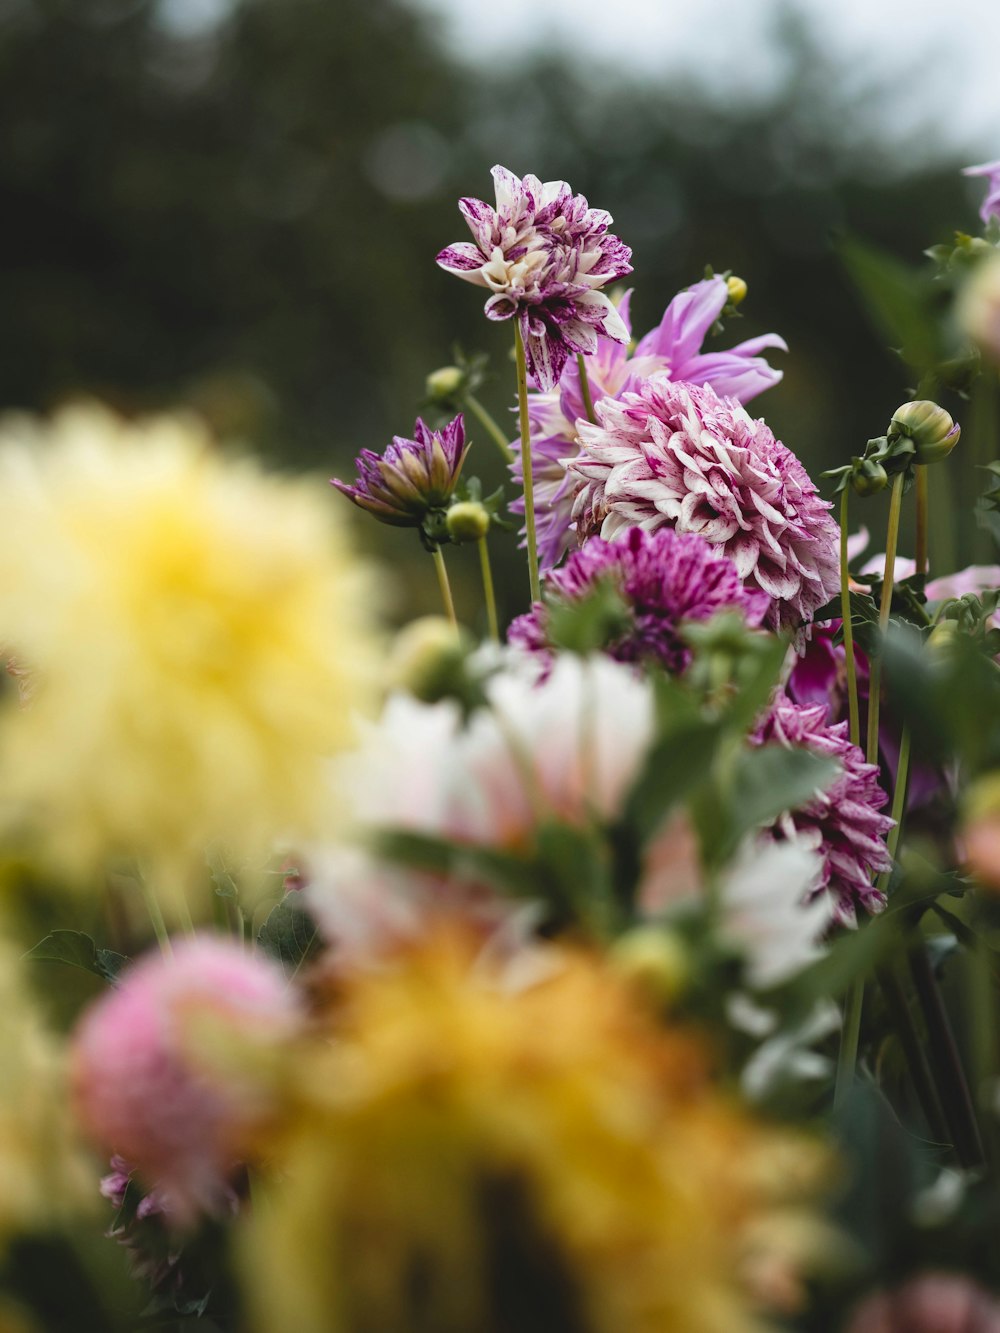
76,949
897,299
289,934
769,780
674,767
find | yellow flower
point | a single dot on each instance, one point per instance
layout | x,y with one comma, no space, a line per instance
469,1155
42,1175
197,636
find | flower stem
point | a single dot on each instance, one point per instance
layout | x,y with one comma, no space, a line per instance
156,917
490,426
444,585
491,603
588,402
847,1057
529,481
902,1021
981,1007
845,612
922,507
875,683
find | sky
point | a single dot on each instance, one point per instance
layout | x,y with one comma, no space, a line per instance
937,59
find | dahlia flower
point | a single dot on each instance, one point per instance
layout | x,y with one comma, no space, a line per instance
547,1151
174,1069
412,477
842,822
990,207
665,579
544,254
680,456
672,350
198,637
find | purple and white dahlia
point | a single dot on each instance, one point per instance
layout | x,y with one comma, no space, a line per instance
675,455
412,477
665,579
842,822
544,254
674,350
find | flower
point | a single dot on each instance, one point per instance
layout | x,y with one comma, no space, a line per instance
665,578
175,1070
842,822
544,1154
544,254
680,456
932,431
929,1303
990,207
672,350
198,635
977,310
412,478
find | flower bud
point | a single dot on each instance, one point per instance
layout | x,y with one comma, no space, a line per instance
978,309
737,289
442,385
654,959
932,430
467,521
426,658
868,477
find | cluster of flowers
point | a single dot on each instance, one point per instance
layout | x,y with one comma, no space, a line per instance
493,1061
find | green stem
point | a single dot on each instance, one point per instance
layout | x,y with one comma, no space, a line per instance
984,1035
952,1084
444,585
875,683
156,917
588,402
488,594
902,1021
922,507
490,426
845,612
529,481
847,1057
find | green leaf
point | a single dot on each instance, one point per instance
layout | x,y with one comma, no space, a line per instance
674,767
769,780
76,949
898,301
289,934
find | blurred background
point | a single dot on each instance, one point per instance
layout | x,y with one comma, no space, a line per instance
237,203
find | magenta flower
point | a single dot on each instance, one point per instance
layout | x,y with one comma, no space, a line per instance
842,822
412,478
672,350
665,578
674,455
167,1068
990,207
544,255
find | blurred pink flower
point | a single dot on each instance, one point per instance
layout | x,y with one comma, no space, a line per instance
930,1303
165,1068
679,456
990,207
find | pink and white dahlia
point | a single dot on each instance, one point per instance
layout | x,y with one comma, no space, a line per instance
675,455
672,350
665,579
544,254
842,822
172,1068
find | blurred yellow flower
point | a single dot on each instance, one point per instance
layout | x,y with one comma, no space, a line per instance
198,638
42,1174
471,1154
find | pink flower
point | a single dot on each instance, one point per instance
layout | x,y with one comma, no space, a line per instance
672,350
930,1303
544,254
990,207
842,822
166,1068
674,455
665,579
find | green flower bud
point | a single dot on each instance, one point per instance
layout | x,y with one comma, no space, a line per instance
932,430
654,959
442,385
737,289
427,657
868,477
467,521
